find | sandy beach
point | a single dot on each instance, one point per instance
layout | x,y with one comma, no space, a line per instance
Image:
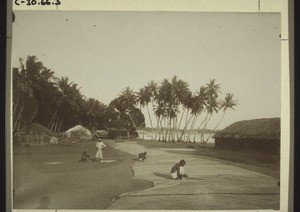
212,184
50,177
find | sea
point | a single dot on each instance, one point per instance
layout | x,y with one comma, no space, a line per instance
145,135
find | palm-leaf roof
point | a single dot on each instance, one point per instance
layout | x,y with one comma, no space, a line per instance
267,128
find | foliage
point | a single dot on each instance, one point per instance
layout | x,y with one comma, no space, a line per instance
177,109
125,114
115,133
57,103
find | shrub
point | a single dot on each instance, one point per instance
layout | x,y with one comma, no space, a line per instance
114,133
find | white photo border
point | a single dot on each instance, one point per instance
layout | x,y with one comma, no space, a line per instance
241,6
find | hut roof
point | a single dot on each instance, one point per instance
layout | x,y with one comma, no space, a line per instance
268,128
38,128
79,132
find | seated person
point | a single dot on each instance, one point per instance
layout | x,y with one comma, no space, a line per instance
85,157
142,156
177,171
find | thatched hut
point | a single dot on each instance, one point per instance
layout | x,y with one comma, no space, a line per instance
259,135
35,134
79,132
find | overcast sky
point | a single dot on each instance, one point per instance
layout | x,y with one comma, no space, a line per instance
104,52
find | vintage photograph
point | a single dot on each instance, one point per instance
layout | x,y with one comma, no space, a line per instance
146,110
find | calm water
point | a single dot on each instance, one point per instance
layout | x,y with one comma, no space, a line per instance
148,136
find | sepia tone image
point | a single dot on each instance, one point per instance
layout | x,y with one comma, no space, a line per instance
146,110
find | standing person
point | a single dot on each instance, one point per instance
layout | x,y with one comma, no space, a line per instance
99,146
177,171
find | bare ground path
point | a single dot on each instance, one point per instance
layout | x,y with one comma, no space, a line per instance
50,177
212,185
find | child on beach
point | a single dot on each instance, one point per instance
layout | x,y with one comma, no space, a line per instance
99,146
178,172
142,156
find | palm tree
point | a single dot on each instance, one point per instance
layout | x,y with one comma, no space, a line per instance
212,90
67,104
200,102
45,94
167,99
144,98
20,86
212,106
26,82
159,113
186,102
153,94
180,93
125,105
189,103
228,103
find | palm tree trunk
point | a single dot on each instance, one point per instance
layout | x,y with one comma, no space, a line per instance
16,104
59,126
150,122
181,117
153,109
175,122
134,125
170,129
162,128
202,131
56,125
54,114
15,124
204,128
216,127
53,123
174,130
19,124
191,128
185,127
157,128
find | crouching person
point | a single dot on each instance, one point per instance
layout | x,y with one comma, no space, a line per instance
178,172
85,157
142,156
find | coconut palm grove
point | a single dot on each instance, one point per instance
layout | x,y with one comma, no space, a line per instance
57,103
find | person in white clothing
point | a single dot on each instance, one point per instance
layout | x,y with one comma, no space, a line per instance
178,172
99,146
